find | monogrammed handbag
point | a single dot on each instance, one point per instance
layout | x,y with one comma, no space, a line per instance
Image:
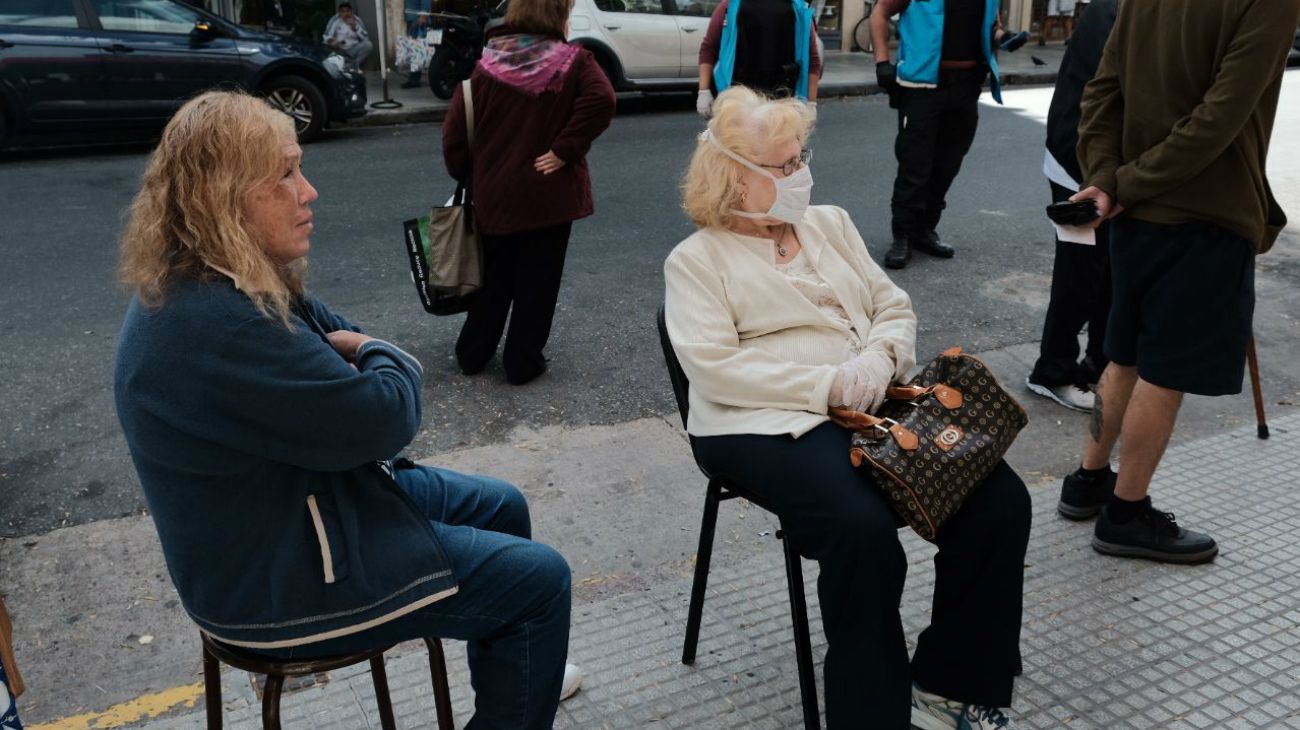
936,439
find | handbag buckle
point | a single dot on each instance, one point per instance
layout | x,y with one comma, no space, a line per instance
903,436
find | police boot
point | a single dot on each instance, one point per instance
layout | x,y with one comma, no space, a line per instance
899,253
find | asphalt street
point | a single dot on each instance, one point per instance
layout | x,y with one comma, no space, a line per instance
63,460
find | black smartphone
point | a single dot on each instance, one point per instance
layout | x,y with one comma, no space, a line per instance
1073,213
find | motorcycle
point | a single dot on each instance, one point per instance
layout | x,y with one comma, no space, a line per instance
457,46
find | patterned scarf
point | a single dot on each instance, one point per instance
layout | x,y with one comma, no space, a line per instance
530,63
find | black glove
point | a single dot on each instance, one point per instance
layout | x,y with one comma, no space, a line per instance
887,76
887,79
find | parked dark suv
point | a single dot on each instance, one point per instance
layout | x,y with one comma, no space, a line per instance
76,65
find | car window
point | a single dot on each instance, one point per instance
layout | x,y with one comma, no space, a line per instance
38,13
699,8
631,6
146,16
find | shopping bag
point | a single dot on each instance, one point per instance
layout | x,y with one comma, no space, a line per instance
446,256
444,247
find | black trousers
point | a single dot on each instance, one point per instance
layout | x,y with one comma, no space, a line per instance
836,516
935,130
522,272
1080,295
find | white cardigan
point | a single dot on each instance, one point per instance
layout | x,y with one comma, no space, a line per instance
761,357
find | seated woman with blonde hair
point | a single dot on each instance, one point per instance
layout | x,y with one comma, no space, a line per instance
264,427
777,313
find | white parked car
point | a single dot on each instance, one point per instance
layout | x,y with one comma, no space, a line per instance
644,45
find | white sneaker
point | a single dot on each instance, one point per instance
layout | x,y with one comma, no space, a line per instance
932,712
572,681
1070,396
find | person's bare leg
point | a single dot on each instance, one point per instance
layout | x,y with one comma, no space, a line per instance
1129,527
1114,389
1148,424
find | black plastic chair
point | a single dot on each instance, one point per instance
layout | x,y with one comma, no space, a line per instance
720,488
276,670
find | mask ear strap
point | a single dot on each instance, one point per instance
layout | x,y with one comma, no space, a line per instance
708,135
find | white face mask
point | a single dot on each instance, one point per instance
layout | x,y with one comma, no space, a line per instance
793,192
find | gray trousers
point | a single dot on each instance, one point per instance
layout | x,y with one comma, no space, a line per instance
360,52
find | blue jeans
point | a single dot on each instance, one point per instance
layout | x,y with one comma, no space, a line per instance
8,705
512,606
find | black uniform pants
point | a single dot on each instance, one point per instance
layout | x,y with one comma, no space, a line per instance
1080,295
935,130
522,270
836,516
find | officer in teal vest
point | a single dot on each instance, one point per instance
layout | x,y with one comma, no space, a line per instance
945,50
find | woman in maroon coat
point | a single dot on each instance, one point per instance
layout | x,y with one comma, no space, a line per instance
539,103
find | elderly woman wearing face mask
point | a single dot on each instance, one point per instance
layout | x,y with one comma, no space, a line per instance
777,313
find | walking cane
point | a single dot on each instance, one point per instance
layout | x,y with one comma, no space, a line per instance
1261,426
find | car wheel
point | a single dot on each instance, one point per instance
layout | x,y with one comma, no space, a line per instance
301,100
444,73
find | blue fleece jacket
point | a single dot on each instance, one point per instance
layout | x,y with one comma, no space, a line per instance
260,451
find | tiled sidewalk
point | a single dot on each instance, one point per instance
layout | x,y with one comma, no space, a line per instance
1108,644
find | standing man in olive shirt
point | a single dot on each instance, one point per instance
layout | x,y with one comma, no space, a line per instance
1173,139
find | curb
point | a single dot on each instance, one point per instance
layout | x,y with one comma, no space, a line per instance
826,91
399,116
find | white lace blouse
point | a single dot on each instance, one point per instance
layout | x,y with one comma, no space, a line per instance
814,288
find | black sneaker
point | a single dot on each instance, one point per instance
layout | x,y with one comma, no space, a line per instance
898,255
929,243
1153,535
1082,498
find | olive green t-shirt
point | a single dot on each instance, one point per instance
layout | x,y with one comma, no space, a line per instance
1176,123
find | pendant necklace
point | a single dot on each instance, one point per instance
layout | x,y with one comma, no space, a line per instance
780,248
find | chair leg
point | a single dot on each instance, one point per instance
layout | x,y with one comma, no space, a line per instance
802,642
212,689
712,496
441,690
271,701
385,702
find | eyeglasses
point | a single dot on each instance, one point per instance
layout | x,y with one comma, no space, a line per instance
794,163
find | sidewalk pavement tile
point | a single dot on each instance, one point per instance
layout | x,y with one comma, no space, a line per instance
1108,644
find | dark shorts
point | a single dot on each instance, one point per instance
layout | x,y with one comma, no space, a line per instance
1182,304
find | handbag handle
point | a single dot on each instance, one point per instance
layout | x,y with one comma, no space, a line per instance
874,425
948,396
469,113
464,195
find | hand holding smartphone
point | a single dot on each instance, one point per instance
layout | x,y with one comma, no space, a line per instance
1073,213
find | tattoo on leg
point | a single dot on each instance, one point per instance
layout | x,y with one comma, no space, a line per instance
1095,424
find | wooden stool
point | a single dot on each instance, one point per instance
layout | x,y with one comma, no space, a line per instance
276,670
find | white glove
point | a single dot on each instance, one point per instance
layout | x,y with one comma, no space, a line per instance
861,382
704,103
